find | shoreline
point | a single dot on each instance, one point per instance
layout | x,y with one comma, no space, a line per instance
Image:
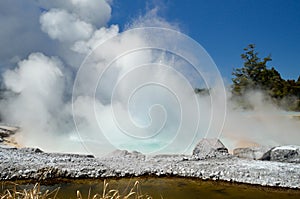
59,180
144,180
33,164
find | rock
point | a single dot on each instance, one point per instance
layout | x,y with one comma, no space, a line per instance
267,155
210,148
126,154
4,146
254,153
6,131
166,157
1,140
33,150
118,153
289,153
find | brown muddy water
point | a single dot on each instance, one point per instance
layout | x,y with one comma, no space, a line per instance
167,188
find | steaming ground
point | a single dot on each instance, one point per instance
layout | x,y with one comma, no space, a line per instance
266,124
39,79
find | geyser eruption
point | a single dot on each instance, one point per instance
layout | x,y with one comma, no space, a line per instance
131,90
138,91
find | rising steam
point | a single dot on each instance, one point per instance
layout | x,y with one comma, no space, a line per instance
96,88
140,96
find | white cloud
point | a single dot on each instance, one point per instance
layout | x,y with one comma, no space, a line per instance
151,19
97,38
91,11
37,86
21,32
64,26
38,76
36,103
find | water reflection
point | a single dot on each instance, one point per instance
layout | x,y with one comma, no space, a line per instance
167,188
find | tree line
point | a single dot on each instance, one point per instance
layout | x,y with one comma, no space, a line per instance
255,75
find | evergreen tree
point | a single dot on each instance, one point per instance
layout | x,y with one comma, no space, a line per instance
255,75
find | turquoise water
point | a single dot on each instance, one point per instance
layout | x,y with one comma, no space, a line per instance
168,188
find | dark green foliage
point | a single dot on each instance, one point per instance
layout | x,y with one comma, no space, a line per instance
255,75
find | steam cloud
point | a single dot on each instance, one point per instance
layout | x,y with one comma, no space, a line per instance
40,76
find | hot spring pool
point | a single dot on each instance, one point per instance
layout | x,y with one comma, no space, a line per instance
173,188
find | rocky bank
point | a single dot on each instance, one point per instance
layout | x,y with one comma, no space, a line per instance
214,164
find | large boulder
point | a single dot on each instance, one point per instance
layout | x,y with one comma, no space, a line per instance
208,148
289,153
253,153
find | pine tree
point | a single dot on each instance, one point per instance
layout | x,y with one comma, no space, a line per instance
254,73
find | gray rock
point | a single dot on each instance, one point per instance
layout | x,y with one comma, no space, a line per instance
34,150
289,153
6,131
165,157
210,148
253,153
4,146
126,154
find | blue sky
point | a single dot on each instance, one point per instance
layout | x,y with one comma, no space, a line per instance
225,27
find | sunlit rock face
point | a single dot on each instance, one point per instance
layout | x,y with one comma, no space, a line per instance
289,153
254,153
210,148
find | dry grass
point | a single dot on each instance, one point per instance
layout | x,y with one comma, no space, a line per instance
134,193
35,193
